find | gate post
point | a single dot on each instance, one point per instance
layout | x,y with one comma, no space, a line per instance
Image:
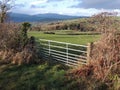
89,52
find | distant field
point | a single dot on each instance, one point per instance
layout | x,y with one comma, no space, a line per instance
64,36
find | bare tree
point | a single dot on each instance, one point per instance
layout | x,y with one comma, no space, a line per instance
5,7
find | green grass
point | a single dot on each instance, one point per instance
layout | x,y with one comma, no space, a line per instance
32,77
63,37
46,76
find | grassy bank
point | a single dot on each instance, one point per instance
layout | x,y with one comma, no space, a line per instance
45,76
33,77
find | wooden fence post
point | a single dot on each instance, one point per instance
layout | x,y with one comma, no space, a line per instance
89,51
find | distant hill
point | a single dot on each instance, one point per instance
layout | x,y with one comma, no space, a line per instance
15,17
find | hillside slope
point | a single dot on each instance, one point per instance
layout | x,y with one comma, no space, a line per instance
15,17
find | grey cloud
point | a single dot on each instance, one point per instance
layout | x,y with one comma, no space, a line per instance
55,0
34,6
99,4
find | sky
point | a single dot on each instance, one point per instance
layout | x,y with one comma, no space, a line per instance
66,7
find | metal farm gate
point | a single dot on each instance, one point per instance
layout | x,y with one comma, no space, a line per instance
66,53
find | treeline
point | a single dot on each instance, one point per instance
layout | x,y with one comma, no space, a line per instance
80,25
83,25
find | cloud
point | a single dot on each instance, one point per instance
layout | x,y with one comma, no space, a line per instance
37,2
99,4
19,5
55,0
66,7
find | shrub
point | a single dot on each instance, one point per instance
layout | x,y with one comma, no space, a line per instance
15,46
105,57
23,34
49,32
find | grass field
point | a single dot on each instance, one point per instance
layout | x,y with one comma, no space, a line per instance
64,36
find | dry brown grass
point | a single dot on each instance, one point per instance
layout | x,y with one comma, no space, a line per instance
26,56
104,63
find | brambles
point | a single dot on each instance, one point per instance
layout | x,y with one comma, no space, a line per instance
15,46
105,56
106,52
